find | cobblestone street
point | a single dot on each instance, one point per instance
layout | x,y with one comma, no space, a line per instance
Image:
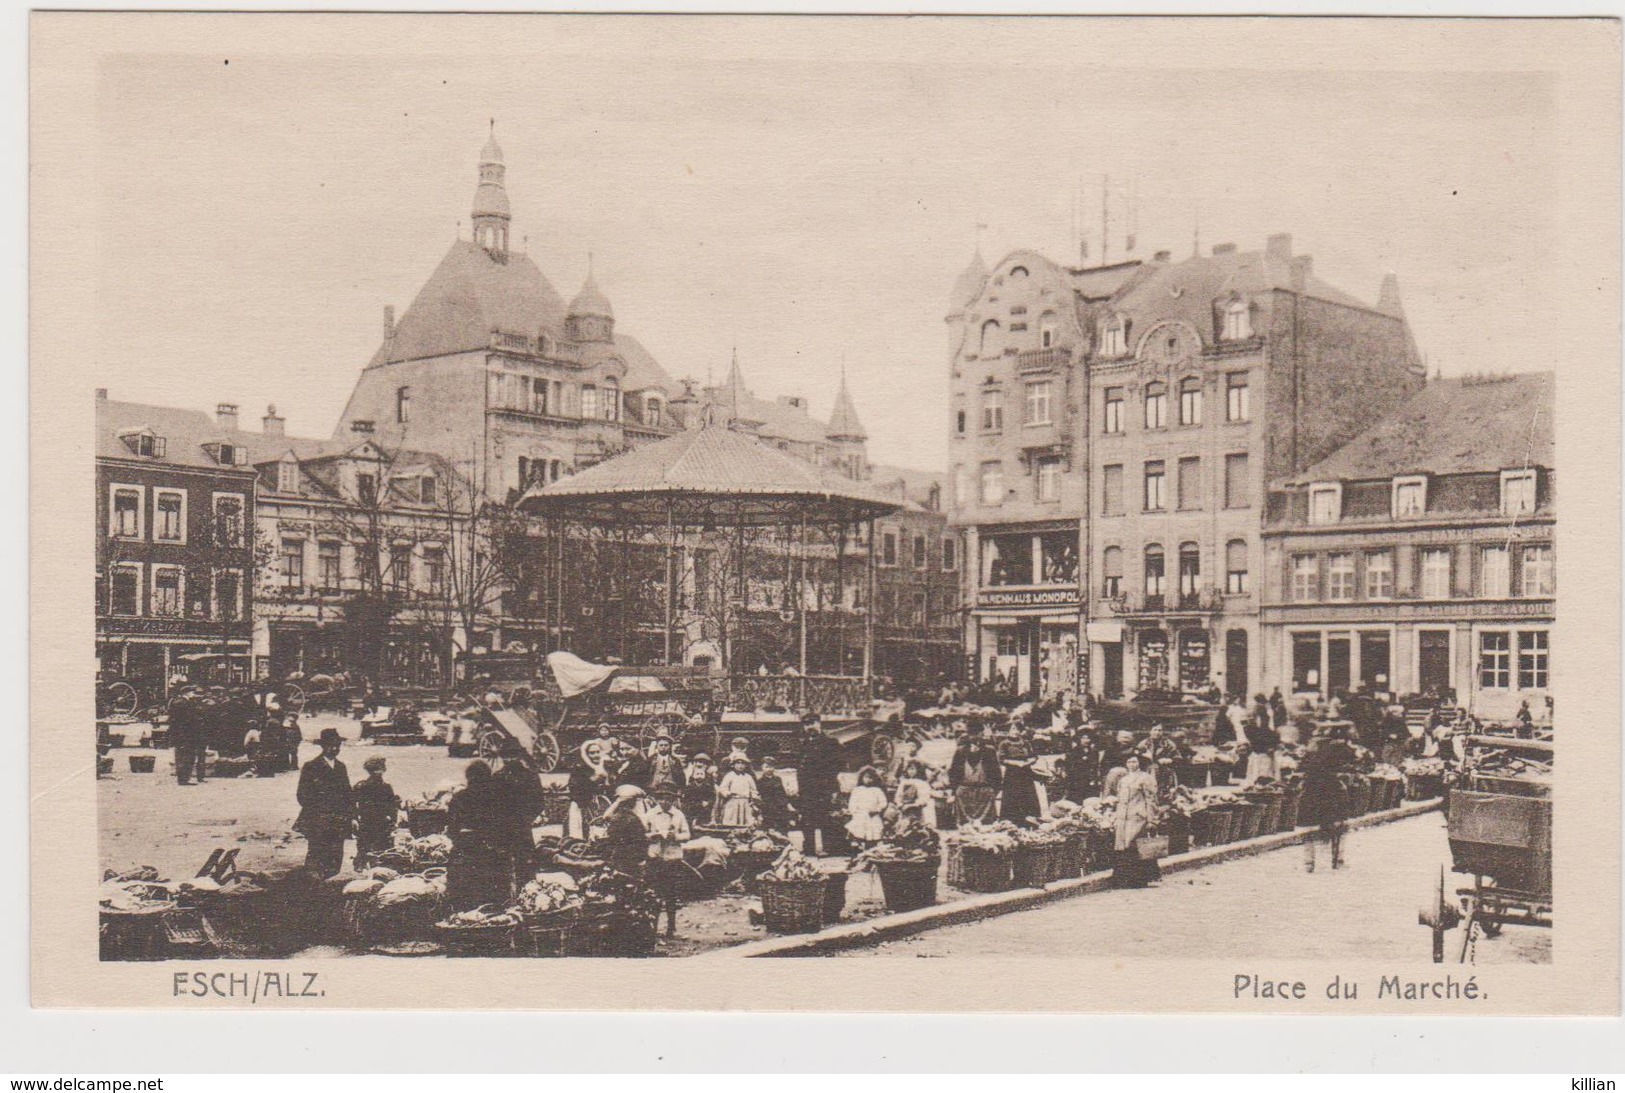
1263,906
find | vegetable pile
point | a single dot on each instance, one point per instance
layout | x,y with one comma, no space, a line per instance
434,798
481,917
793,866
135,896
1421,768
548,892
409,855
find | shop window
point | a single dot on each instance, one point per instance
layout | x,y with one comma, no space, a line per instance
1495,660
1235,566
1007,559
1379,575
1237,404
1340,576
1190,402
1534,648
1494,572
1113,421
1537,573
1435,563
1111,570
1156,405
1305,578
1305,662
1058,555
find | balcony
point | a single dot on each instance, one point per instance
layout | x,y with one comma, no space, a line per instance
1043,360
1208,601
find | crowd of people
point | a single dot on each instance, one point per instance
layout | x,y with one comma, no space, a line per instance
234,721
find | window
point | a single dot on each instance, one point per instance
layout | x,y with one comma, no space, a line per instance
126,596
1235,480
589,401
1517,492
959,421
228,455
1237,406
992,483
169,516
1111,490
228,596
328,572
1410,496
293,563
1534,646
1379,575
428,489
1111,572
1190,402
651,411
287,477
1049,479
126,519
1114,410
1155,498
228,520
1113,339
1305,578
198,591
888,547
1538,579
1038,403
1436,573
1189,486
1340,576
366,487
1058,558
1046,330
1238,323
403,404
992,410
990,336
1235,566
961,488
538,396
1156,405
529,469
142,443
1190,571
1325,504
610,400
434,569
920,552
950,554
1494,572
1154,575
166,591
1495,660
1007,560
400,567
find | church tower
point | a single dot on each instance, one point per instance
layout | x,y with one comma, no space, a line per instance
590,318
491,200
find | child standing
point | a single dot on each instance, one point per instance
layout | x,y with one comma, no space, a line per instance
775,798
376,808
737,796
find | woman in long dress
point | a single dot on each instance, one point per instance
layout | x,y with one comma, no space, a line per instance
737,796
1020,803
479,869
1136,810
867,808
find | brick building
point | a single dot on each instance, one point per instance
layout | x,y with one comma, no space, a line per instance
174,542
1111,432
1419,556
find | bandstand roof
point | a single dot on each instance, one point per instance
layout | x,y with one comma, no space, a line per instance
713,476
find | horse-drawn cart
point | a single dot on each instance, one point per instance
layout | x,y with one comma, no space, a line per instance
1500,829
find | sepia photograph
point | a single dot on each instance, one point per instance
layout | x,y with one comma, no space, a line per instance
724,489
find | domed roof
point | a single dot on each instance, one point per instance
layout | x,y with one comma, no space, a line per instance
490,199
969,284
591,300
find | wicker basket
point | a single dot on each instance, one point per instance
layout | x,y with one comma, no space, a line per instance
748,866
476,940
1036,866
1422,787
1212,825
793,906
1250,819
143,764
1290,800
245,925
834,895
427,821
547,934
908,886
611,932
1271,803
971,869
134,935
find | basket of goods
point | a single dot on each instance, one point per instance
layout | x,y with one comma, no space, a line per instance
429,813
409,854
1424,778
404,909
143,764
1040,857
1271,798
1357,792
132,909
793,895
1151,847
750,852
1213,817
549,906
834,894
237,910
572,856
979,857
1250,817
618,917
484,931
908,875
1391,782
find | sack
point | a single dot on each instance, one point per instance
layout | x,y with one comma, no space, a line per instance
1151,847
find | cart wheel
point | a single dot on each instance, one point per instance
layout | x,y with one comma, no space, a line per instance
490,746
294,698
122,699
881,749
547,752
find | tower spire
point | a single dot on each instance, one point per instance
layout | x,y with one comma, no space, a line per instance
491,214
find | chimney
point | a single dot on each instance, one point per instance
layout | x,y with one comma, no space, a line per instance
101,394
1163,255
1388,297
1303,267
225,415
1278,247
1223,248
271,423
389,321
362,427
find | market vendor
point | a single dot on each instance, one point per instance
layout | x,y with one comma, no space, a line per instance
668,830
975,777
1020,801
523,801
1158,753
817,781
479,870
700,790
376,809
626,839
1136,812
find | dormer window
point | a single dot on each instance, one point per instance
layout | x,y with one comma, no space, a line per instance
227,455
610,400
1410,497
287,477
1325,503
143,442
1517,492
651,411
1113,338
1046,330
1238,321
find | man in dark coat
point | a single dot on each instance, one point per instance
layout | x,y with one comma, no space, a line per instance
817,771
1082,766
665,769
1325,798
520,789
326,807
185,733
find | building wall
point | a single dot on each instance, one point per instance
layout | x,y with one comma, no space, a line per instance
448,403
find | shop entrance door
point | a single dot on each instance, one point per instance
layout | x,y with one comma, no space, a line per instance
1112,669
1433,660
1337,665
1235,662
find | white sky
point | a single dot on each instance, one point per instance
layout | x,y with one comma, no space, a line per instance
808,206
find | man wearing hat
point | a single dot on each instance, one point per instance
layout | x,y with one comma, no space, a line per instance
665,769
326,807
668,830
817,771
626,840
376,807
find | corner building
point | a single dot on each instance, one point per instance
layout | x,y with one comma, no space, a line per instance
1121,422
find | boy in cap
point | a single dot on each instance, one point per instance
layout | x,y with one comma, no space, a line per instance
668,831
376,807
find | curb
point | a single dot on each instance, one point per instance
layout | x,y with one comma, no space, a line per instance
854,935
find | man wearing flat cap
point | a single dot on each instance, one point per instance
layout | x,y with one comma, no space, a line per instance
326,807
665,769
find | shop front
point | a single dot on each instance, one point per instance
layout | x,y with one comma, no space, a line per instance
1027,641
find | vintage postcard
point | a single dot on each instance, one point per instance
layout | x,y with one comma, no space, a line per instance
1026,513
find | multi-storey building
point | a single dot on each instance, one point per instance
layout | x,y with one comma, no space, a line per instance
1111,431
174,542
1419,556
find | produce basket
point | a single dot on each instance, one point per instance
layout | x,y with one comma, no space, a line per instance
1359,793
1102,846
1290,800
549,933
1213,825
243,923
1077,854
793,906
1251,817
971,869
427,821
612,932
834,895
1271,802
1396,792
134,935
487,940
1422,787
907,885
143,764
1034,866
